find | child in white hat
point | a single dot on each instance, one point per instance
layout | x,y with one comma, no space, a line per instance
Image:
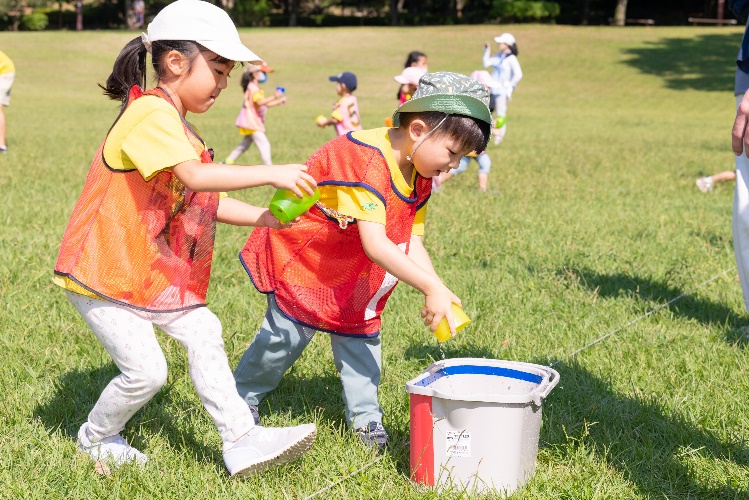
506,74
137,250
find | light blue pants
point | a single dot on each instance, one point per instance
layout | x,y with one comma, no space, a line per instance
280,342
484,161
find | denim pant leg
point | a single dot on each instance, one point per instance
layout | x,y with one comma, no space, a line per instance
359,361
485,163
276,346
462,166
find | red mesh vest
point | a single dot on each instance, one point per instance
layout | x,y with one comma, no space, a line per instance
319,273
147,245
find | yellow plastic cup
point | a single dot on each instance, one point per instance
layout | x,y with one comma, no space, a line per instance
286,206
461,321
318,119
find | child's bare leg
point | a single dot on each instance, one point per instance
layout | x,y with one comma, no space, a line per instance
237,152
727,175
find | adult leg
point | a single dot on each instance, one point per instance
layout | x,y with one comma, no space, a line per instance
741,223
276,346
2,128
6,82
237,152
263,145
359,361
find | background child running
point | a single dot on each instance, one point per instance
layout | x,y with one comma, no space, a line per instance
345,116
251,118
482,158
335,270
506,74
137,250
415,59
409,80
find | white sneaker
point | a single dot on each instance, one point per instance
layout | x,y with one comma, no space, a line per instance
264,447
113,448
705,184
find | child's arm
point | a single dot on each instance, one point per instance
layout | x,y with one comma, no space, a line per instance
266,101
386,254
238,213
419,254
199,176
277,102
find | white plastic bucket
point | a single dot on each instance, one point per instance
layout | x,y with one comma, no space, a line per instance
475,423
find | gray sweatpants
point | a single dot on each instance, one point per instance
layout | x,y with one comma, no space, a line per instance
280,342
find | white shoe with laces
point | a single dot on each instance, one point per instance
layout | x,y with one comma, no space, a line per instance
704,184
264,447
112,448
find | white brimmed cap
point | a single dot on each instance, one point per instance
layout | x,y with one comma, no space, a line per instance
201,22
505,38
410,75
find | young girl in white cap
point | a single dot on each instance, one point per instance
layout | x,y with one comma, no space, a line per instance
506,74
137,250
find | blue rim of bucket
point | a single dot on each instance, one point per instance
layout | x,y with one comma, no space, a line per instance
493,371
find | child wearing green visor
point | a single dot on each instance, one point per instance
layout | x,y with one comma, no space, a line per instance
334,270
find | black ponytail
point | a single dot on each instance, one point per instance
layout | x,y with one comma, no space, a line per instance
130,66
514,49
129,69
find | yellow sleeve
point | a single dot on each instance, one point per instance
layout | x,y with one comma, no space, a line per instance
336,114
355,201
258,95
150,142
421,215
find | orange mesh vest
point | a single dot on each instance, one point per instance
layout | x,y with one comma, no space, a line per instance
144,244
319,273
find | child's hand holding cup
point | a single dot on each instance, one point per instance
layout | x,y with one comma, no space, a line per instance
461,321
320,121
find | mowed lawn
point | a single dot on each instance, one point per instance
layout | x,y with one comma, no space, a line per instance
592,221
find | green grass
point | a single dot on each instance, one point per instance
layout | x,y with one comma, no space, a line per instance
594,220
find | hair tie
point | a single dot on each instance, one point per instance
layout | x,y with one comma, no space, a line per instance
146,42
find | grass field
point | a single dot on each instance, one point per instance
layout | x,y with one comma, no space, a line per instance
593,220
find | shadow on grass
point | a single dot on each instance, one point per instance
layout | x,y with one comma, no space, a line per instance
652,446
705,311
705,62
77,391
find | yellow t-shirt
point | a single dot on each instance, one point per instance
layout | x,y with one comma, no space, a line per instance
6,65
361,203
148,137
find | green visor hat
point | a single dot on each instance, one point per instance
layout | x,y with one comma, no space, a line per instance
450,93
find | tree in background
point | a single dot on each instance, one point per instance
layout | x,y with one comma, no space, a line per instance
620,13
16,9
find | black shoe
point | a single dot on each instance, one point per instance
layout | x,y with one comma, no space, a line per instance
255,414
373,435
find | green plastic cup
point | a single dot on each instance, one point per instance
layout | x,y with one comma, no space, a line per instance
286,206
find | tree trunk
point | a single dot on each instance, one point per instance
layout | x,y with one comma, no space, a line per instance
292,12
585,14
620,13
393,12
79,15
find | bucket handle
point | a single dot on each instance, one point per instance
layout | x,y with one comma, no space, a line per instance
538,399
